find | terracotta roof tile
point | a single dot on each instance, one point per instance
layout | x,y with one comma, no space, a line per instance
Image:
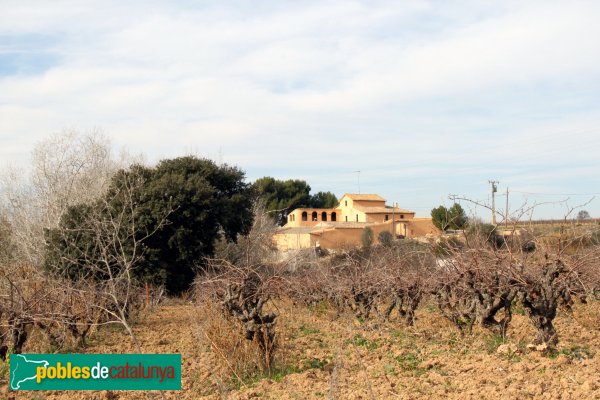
365,197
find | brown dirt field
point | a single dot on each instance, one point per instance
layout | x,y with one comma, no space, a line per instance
322,356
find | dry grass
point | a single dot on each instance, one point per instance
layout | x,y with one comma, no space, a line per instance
236,361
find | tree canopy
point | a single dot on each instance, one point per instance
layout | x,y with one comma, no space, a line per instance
583,214
281,197
449,218
324,200
180,209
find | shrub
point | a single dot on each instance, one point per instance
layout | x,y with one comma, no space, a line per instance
366,238
385,238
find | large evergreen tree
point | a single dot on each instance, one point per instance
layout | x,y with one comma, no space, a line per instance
180,208
323,200
207,201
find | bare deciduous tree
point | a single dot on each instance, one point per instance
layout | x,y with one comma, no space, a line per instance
66,169
106,247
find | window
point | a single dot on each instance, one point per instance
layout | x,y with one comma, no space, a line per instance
356,217
401,216
333,216
304,216
387,217
314,215
346,203
323,216
346,218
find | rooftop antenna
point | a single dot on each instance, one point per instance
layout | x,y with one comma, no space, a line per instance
358,178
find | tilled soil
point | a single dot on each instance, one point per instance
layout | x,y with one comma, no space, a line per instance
322,355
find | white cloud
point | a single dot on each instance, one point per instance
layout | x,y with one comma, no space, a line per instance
407,92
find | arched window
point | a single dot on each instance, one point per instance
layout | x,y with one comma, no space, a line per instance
323,216
304,216
356,217
333,216
314,216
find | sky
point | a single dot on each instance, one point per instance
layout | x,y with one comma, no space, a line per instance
425,98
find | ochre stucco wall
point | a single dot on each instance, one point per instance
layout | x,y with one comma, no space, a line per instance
422,227
289,241
343,237
295,217
349,234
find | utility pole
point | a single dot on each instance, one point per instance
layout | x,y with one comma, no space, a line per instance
494,190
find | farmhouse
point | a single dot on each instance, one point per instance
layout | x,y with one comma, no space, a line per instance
343,225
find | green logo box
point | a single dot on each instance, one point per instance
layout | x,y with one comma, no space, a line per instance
95,371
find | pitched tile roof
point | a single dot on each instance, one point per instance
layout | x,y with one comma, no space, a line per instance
365,197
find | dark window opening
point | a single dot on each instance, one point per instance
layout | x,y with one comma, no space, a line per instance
387,217
304,216
356,217
346,218
333,216
346,203
314,216
401,216
323,216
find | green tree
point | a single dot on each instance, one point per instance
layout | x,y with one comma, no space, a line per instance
583,215
323,200
449,218
440,218
458,217
202,201
281,197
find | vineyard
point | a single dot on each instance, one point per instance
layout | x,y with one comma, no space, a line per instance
105,256
476,315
